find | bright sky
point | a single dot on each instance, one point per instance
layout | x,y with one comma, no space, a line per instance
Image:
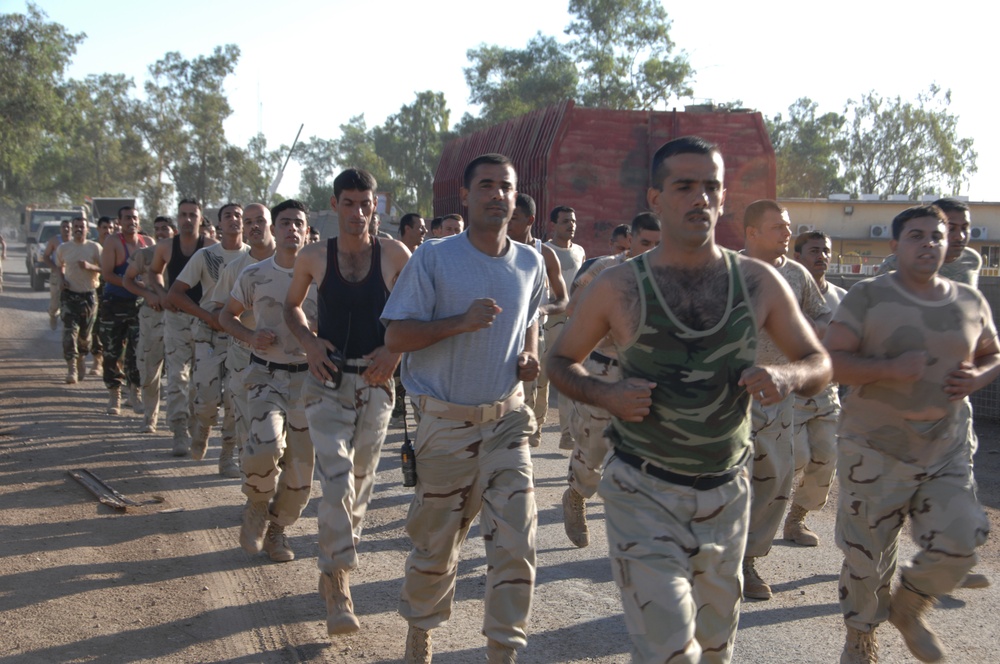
312,62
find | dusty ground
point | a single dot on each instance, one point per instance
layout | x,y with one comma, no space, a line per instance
167,582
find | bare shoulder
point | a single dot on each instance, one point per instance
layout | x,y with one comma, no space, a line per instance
394,250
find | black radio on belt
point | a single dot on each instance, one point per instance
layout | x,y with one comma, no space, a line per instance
337,358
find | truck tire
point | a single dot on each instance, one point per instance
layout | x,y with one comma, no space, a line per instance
37,281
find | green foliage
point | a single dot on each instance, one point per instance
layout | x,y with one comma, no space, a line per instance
806,147
250,171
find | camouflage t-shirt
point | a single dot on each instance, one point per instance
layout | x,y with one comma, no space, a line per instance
220,294
263,287
811,304
911,421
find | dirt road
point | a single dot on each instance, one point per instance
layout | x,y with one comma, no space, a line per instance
167,582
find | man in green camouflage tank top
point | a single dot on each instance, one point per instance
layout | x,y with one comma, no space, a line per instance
684,319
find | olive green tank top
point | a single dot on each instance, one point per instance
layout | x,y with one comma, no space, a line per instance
699,422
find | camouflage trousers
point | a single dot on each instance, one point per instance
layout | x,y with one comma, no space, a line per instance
676,555
277,460
877,492
536,390
210,349
347,426
150,360
815,443
178,340
465,469
237,366
587,424
553,328
120,332
79,311
771,472
97,339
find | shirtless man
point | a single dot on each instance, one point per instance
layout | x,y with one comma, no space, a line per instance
55,285
676,490
349,395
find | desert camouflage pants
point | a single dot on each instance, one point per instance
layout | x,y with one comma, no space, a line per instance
79,311
587,424
815,443
347,427
210,350
877,493
464,469
535,391
150,360
676,555
120,333
178,340
540,405
771,472
277,460
237,366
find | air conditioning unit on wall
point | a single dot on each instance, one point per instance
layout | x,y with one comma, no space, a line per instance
880,231
978,233
804,228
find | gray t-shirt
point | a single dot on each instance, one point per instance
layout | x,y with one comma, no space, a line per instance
442,279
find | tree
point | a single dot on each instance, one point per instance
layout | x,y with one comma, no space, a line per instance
509,82
625,54
34,54
250,171
897,147
806,147
183,113
410,142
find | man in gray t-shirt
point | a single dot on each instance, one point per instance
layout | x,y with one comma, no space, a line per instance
470,342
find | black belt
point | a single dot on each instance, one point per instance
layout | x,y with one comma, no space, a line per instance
355,368
696,482
278,366
603,359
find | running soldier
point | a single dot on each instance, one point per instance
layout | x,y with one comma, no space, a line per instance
119,312
519,229
277,459
210,341
469,343
684,318
77,267
149,357
768,230
913,346
814,436
257,231
105,226
178,330
349,397
587,423
48,259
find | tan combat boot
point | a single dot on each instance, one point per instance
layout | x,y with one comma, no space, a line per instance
498,653
418,646
860,647
81,367
96,368
335,590
114,400
199,441
796,529
133,400
276,544
575,517
70,372
754,586
254,526
182,441
228,467
906,612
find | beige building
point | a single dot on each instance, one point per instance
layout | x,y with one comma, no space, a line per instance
861,228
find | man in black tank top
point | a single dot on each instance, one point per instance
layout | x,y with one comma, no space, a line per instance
178,340
348,399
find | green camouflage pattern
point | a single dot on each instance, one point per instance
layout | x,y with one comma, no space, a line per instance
79,311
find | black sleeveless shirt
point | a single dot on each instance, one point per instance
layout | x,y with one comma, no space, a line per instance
177,262
348,314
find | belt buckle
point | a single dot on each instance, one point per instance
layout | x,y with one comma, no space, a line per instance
488,412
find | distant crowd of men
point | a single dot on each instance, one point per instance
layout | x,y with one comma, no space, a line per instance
708,396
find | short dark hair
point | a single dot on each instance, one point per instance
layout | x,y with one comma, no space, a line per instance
189,201
228,205
288,204
354,179
621,230
801,240
682,145
951,205
408,220
493,158
756,210
526,204
103,220
436,223
559,209
915,213
168,220
644,221
454,215
123,208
